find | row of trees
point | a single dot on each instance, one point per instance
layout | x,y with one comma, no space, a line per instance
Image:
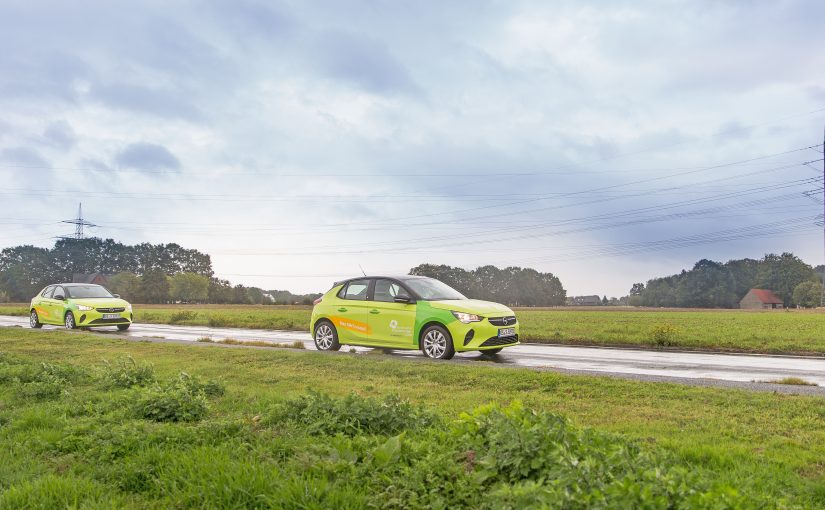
715,285
157,287
24,270
514,286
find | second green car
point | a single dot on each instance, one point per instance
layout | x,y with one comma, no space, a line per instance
76,305
410,312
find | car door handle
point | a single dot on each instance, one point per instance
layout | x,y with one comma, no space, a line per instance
342,309
374,312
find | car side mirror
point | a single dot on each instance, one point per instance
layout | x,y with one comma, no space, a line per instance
60,297
116,295
402,299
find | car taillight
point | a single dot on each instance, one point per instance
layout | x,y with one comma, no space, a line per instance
318,300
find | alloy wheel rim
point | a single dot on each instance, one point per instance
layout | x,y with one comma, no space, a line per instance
33,319
435,344
323,337
69,321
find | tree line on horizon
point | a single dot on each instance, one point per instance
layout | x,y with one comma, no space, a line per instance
711,284
142,273
513,286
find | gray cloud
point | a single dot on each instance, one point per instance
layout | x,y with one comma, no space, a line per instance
135,98
24,157
147,156
60,134
362,61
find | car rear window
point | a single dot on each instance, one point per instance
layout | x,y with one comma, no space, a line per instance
356,290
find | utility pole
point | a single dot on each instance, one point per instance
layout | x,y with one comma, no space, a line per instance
822,297
79,224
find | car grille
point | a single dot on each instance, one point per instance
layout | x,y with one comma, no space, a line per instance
500,340
111,310
502,321
96,322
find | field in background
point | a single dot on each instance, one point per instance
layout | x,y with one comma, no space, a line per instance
792,331
75,428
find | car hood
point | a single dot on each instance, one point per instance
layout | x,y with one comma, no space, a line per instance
101,302
476,306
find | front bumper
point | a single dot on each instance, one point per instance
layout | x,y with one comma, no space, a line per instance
94,318
480,336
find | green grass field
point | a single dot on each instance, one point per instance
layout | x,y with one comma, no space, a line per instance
792,331
242,431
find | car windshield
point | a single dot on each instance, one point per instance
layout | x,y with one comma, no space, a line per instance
87,292
433,290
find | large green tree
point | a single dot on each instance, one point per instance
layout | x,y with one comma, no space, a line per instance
155,287
808,294
189,288
514,286
128,285
782,273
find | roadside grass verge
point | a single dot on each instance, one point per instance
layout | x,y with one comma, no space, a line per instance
793,381
221,428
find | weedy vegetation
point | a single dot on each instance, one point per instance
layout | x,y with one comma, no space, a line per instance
241,428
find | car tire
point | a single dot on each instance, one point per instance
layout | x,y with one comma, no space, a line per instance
34,320
69,321
492,352
123,327
436,343
326,336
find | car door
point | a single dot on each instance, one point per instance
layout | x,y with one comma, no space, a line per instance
41,304
392,323
54,307
350,316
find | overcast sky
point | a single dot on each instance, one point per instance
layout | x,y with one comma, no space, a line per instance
606,142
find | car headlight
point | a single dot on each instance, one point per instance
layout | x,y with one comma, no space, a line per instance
84,308
128,307
467,318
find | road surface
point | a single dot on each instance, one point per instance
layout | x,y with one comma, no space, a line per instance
736,370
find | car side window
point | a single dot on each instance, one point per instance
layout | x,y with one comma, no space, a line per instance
48,292
387,290
356,290
58,291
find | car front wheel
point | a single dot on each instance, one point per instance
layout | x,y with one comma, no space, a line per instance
436,343
70,324
34,320
326,337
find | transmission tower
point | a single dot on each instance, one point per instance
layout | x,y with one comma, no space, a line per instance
79,224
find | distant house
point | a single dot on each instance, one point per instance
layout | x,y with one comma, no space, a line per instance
585,301
760,299
95,278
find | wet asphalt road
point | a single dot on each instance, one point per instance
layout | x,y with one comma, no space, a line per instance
696,368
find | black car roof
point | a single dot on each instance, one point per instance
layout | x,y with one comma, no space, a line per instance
73,285
391,277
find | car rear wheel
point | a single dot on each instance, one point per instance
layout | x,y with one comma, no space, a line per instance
69,322
123,327
326,337
34,320
436,343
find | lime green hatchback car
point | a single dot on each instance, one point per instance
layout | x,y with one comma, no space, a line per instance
79,305
410,312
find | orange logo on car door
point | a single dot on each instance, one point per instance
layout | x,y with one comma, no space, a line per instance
352,325
41,312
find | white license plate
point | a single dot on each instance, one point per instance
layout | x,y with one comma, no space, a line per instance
506,332
111,316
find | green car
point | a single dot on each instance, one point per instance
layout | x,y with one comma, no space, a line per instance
79,305
410,312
